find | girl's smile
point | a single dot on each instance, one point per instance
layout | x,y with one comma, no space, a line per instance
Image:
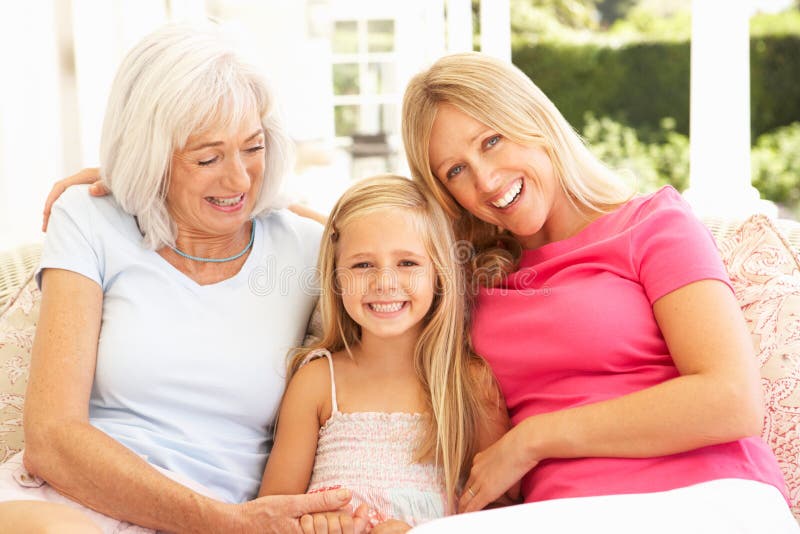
385,274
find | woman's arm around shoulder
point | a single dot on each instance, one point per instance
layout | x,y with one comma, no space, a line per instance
89,175
305,404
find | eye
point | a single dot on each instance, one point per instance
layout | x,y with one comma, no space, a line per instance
408,263
255,149
492,141
454,171
362,265
206,162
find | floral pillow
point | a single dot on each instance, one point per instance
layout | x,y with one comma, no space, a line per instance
765,273
17,326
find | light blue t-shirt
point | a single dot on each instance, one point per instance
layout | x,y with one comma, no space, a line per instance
189,376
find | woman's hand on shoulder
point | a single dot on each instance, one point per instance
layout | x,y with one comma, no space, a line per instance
90,175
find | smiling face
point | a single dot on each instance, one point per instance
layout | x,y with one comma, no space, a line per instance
497,180
216,179
385,274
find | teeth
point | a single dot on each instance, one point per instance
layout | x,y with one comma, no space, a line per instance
232,201
509,197
386,308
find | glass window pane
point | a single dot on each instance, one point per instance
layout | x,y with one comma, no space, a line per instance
389,118
345,79
380,36
346,120
345,37
378,118
380,78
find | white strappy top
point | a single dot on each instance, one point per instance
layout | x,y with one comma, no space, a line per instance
372,454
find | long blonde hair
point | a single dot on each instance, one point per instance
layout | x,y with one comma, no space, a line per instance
443,361
499,95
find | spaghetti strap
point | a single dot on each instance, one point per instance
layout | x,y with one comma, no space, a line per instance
325,352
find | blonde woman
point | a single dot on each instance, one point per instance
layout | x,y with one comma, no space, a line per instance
608,320
394,405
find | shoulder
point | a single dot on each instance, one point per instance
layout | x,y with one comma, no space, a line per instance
313,376
666,202
84,209
663,211
283,220
311,385
76,201
291,230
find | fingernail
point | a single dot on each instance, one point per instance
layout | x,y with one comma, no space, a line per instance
343,494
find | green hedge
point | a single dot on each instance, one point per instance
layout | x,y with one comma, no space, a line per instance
774,82
641,84
663,158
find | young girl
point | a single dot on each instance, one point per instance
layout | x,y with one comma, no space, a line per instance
395,406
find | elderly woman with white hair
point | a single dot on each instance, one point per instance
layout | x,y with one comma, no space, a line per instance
167,311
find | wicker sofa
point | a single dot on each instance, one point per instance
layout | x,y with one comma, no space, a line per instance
761,256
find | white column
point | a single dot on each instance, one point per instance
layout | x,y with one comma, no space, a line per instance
720,182
459,25
496,28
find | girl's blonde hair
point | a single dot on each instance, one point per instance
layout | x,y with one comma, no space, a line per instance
442,358
499,95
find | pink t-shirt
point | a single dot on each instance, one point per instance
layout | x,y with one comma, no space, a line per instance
575,326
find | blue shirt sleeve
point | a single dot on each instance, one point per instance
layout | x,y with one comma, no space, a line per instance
70,243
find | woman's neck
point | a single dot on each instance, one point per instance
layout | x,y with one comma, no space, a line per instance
564,221
203,246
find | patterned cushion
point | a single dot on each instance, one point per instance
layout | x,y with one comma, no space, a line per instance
765,273
17,325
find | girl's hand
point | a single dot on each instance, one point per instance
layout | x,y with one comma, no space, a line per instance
343,521
391,526
85,176
496,472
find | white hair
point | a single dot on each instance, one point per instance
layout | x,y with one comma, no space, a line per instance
177,81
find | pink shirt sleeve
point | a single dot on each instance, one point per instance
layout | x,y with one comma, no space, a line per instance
671,248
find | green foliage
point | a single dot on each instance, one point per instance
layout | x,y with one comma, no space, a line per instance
661,157
642,83
638,84
776,166
611,10
553,20
646,25
784,23
774,94
654,158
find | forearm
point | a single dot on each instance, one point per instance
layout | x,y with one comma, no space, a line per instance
681,414
95,470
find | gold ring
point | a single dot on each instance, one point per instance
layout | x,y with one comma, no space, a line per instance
469,489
